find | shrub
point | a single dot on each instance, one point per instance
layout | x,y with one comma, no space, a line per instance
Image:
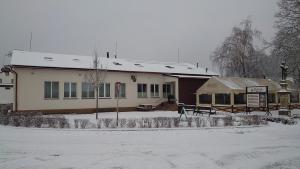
106,122
122,123
131,123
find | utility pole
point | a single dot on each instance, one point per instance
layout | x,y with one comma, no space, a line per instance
30,41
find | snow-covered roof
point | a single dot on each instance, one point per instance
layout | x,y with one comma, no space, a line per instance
38,59
237,83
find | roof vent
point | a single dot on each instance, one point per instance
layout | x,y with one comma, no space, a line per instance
116,63
76,60
138,65
48,58
170,67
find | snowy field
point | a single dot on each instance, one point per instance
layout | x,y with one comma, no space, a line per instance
269,147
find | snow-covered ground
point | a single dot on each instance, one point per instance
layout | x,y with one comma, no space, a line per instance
272,146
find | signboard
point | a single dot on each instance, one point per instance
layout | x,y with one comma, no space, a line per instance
253,100
257,89
257,97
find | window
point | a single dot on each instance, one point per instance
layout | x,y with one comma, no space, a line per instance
240,98
222,98
166,90
294,97
122,90
142,90
104,90
0,80
205,99
12,81
51,90
87,90
271,98
154,90
70,90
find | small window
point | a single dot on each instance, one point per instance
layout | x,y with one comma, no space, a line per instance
170,67
190,68
154,90
240,98
87,90
51,90
104,90
0,80
294,97
121,92
205,99
142,90
12,81
70,90
116,63
48,58
7,88
138,65
222,98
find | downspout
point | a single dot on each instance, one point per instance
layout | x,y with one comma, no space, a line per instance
16,89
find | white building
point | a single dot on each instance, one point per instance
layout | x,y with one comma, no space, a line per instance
59,83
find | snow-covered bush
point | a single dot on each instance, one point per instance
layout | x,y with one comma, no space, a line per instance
131,123
82,123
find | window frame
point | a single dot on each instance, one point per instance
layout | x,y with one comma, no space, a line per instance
143,93
104,91
208,95
88,92
70,91
51,90
121,86
154,93
224,102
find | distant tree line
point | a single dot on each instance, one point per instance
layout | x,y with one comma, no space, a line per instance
239,54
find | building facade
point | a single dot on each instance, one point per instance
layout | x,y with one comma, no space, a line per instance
61,83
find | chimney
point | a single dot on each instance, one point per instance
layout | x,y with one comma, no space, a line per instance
107,54
206,69
197,65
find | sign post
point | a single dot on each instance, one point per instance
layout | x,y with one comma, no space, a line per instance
257,97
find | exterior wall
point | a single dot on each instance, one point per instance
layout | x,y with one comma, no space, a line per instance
31,89
6,88
188,88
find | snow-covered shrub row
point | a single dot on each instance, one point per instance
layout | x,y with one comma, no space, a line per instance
283,120
175,122
35,121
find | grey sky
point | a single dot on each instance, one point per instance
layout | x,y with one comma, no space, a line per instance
144,29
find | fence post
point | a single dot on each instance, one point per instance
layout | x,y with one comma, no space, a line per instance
231,108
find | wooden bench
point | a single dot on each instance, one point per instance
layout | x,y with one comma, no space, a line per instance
145,107
204,110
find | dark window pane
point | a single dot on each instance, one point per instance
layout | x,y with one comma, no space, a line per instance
240,98
107,90
101,90
66,89
47,90
55,92
222,98
73,89
205,99
294,97
91,92
271,98
84,90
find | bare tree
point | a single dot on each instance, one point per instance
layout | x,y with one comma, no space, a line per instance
237,55
287,39
96,76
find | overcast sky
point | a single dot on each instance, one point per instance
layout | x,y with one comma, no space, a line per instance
144,29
